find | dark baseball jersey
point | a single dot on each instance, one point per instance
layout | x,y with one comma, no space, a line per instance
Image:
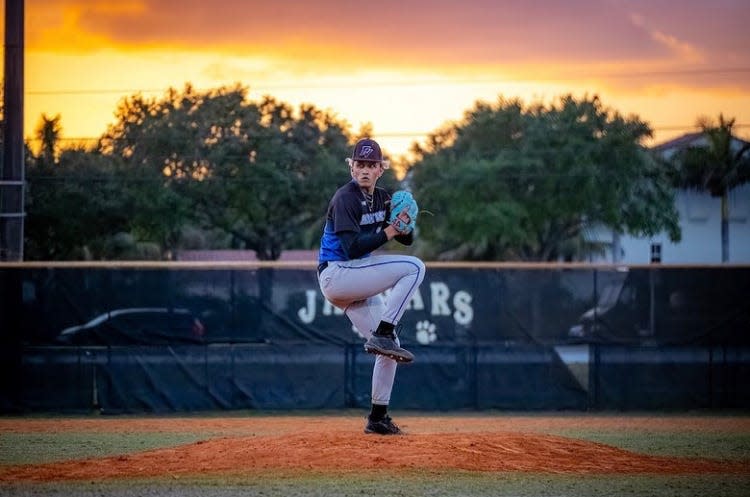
350,211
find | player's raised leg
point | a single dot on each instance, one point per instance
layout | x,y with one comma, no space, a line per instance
405,274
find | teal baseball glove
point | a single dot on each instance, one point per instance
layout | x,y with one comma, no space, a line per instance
404,211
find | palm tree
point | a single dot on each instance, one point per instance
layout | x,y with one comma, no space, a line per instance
717,167
48,133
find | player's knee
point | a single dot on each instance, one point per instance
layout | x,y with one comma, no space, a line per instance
420,268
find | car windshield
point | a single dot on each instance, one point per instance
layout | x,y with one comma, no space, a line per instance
134,326
610,293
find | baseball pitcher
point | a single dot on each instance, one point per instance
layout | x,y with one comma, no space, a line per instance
361,218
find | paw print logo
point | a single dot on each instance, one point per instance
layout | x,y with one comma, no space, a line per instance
426,332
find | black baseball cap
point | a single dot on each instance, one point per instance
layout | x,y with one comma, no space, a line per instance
367,150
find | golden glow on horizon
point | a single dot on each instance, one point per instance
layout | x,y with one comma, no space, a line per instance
400,106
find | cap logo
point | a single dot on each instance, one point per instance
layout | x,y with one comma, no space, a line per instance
366,151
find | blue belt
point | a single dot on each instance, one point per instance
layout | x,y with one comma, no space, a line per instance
322,266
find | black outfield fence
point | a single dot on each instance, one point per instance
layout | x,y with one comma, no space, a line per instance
172,337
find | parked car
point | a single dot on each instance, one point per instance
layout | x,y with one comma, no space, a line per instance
670,305
139,325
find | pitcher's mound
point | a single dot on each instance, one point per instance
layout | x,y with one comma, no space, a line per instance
342,452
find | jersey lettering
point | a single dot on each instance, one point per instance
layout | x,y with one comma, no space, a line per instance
372,218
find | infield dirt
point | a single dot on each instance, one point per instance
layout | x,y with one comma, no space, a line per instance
336,443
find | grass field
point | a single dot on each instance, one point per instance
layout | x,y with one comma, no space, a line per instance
475,454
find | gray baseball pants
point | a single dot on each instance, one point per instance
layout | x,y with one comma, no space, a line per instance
356,287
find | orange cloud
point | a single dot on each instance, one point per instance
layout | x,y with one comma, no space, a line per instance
56,25
684,51
482,36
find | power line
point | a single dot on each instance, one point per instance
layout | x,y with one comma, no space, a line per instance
412,134
420,82
92,92
214,178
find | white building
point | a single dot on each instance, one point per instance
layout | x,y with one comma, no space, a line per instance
700,222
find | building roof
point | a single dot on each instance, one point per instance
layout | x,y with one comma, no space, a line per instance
680,142
697,139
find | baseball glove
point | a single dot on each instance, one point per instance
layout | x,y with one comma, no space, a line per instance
404,210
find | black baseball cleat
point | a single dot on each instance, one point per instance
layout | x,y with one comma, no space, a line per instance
384,426
385,345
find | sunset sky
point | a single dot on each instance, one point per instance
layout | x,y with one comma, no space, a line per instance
406,66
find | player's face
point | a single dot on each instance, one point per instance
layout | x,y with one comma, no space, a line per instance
366,174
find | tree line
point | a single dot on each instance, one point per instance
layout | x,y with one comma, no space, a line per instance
213,170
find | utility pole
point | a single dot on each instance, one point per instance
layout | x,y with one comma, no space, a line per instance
11,210
12,176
